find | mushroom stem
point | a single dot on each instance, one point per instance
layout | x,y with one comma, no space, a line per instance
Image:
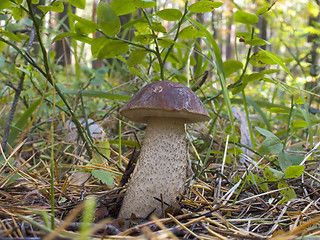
161,170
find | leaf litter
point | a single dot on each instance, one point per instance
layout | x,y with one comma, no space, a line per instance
227,201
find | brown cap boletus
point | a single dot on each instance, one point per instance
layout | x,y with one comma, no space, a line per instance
161,170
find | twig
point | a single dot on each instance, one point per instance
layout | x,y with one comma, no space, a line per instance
276,224
309,153
222,167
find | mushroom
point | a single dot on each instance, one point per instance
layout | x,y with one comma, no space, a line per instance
161,169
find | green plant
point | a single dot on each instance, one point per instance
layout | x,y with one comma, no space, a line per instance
137,42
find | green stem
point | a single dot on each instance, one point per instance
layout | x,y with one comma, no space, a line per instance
120,143
52,164
288,124
248,120
248,58
177,32
157,51
244,95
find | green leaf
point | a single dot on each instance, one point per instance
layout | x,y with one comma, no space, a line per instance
288,193
5,4
136,72
190,32
261,59
112,48
262,184
170,14
81,28
244,17
246,79
122,59
158,27
136,56
75,36
145,3
257,42
234,150
25,70
232,66
278,110
263,9
122,7
104,148
2,46
97,44
20,124
270,71
142,28
272,175
278,60
300,100
285,160
108,19
143,38
271,145
269,80
252,77
238,89
57,7
81,4
104,176
10,35
296,159
299,124
204,6
173,58
294,171
257,181
54,7
17,13
245,36
92,26
253,40
165,42
265,132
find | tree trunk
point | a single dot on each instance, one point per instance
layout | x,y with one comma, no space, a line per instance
62,47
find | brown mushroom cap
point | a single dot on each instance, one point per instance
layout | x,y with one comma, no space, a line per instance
165,99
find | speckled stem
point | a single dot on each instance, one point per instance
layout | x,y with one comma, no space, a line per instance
161,169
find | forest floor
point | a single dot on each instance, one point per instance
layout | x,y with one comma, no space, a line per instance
223,203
